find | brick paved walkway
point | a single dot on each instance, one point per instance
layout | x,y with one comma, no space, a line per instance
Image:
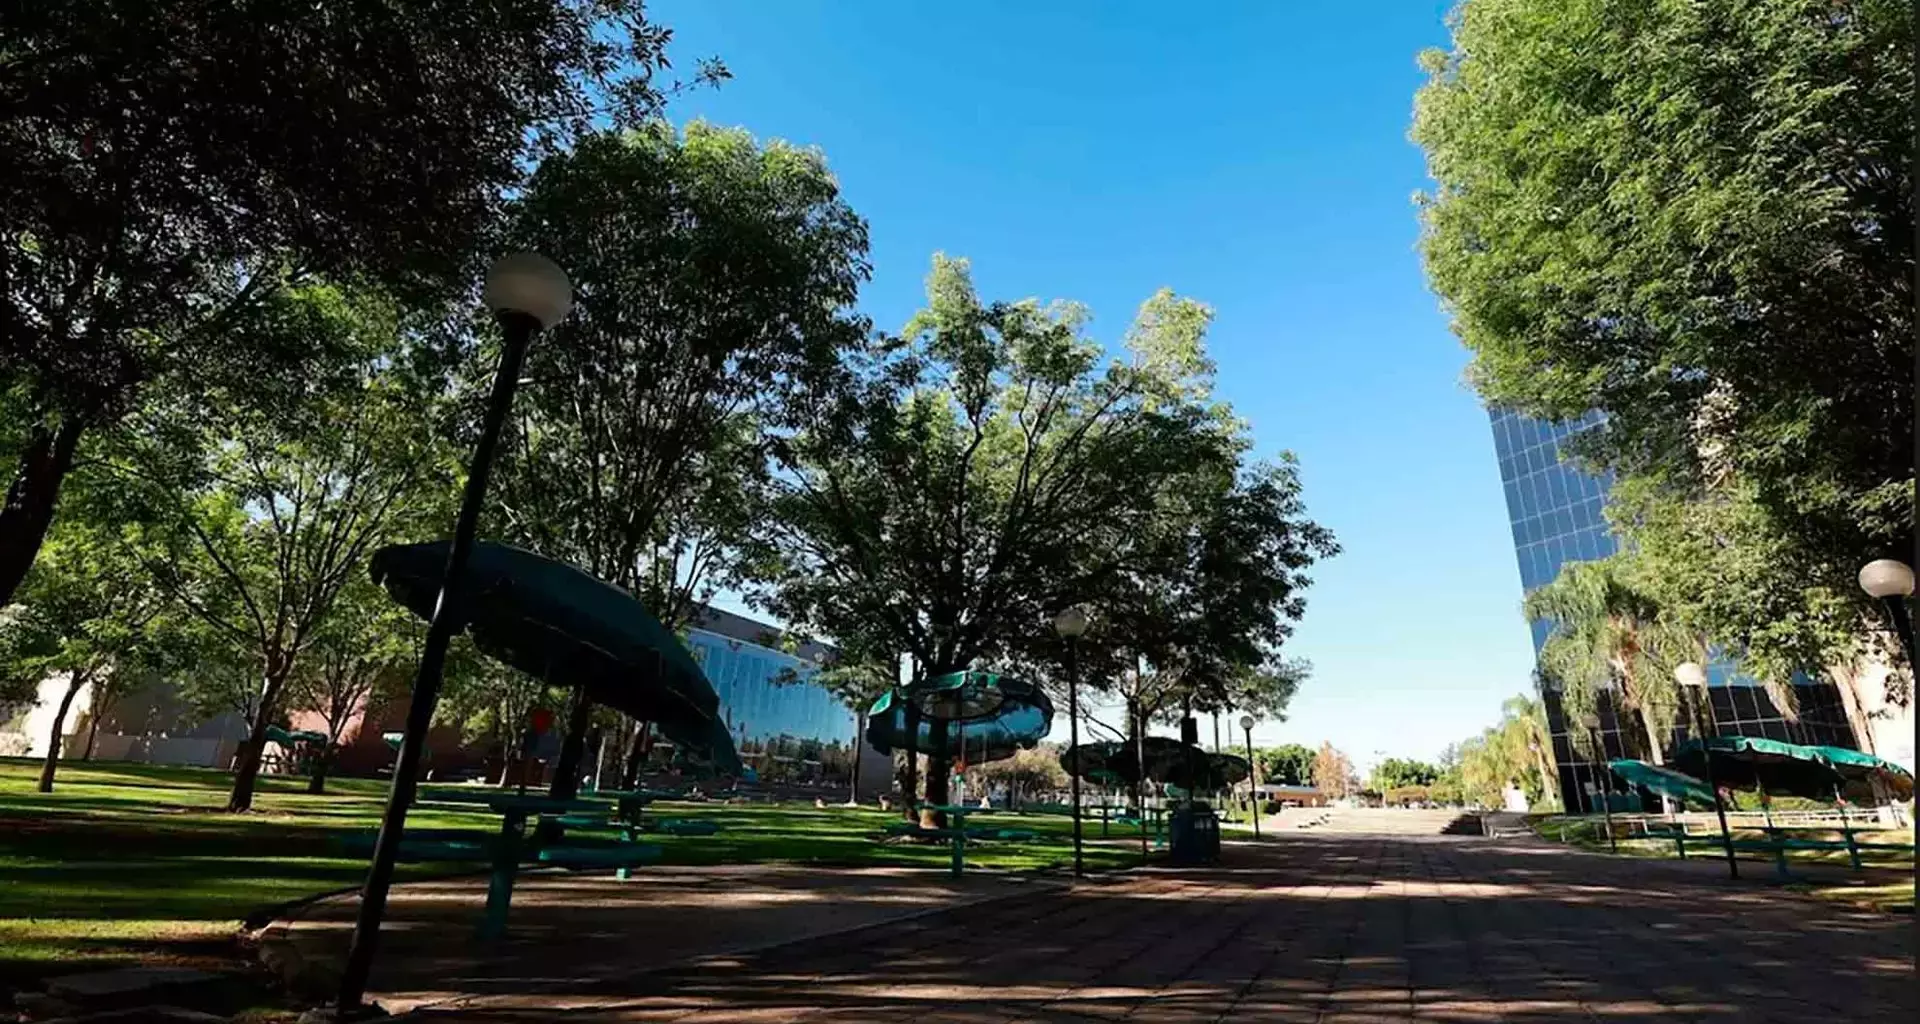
1332,931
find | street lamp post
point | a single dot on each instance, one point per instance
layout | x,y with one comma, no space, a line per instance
1891,583
1072,625
1253,773
1693,677
527,294
1601,771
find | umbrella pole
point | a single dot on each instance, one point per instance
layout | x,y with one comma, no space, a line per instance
518,329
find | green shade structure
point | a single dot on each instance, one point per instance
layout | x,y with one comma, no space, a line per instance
1684,788
559,624
967,696
1751,762
287,738
1020,716
1168,760
1859,767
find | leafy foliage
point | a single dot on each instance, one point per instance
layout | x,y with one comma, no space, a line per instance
1516,751
712,276
1333,772
259,521
165,167
1697,219
89,613
1290,764
1397,773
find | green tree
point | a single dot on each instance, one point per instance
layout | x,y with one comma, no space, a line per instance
1399,773
90,612
961,484
713,275
1697,219
1610,634
359,655
266,519
161,175
1515,751
1290,764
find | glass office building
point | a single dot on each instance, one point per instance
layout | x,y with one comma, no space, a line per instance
1556,512
786,728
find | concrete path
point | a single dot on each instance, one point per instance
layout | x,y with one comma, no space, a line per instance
569,933
1342,930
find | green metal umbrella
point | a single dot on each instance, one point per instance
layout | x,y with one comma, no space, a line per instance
1020,716
559,624
1860,767
287,738
1777,767
1684,788
1168,760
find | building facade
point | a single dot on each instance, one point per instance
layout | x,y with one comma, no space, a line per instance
1556,511
786,728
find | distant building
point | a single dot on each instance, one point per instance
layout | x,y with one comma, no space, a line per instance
787,729
1556,512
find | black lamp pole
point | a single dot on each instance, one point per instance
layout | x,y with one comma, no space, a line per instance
518,329
1073,743
1902,619
1253,781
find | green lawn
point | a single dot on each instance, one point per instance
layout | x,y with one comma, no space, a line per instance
1896,896
136,862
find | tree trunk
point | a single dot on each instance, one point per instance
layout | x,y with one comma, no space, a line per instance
246,772
1846,679
912,795
1658,754
637,755
44,463
57,733
566,771
939,775
93,733
317,782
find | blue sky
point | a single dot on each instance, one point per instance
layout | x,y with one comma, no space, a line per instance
1251,155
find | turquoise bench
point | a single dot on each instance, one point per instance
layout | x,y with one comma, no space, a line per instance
420,846
1778,843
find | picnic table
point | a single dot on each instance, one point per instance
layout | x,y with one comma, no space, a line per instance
509,846
957,832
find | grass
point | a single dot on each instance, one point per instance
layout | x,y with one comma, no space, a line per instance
139,863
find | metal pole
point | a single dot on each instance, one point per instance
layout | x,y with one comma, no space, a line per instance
1902,623
518,330
1719,806
1253,781
1606,788
1073,742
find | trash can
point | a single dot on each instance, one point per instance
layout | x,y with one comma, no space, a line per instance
1195,836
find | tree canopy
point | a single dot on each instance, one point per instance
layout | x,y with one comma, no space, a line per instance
1696,218
166,166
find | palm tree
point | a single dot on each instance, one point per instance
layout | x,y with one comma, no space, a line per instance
1609,634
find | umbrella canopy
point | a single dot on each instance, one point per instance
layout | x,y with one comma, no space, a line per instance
1021,716
1752,762
1684,788
287,738
960,696
1860,767
1168,760
559,624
